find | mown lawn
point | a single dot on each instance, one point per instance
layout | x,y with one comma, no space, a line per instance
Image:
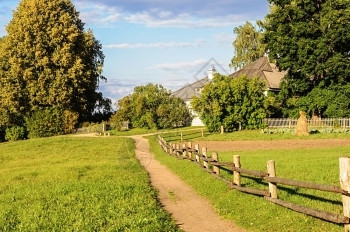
256,214
244,135
142,131
77,184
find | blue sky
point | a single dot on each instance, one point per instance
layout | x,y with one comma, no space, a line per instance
159,41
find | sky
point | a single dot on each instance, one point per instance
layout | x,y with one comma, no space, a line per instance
166,42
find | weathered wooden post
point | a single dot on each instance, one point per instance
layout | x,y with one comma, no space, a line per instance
174,149
196,148
215,158
202,130
189,150
204,153
182,136
184,150
271,171
222,129
170,148
165,146
237,175
344,168
178,150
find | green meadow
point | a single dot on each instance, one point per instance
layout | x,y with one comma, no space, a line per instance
253,212
77,184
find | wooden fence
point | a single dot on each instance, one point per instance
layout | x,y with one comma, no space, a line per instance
290,123
213,165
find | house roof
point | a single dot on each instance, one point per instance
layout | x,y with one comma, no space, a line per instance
264,70
189,91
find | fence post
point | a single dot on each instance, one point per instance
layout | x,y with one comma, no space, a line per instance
184,150
170,148
182,136
189,150
178,150
271,170
204,152
215,158
174,149
222,129
165,146
237,175
196,148
202,130
344,168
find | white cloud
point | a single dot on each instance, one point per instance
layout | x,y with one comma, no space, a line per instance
190,67
184,20
98,14
197,43
224,39
104,16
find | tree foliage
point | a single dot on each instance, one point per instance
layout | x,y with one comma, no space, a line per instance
49,60
232,103
248,45
151,106
310,40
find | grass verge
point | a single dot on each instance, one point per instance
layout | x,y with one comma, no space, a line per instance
77,184
143,131
244,135
256,214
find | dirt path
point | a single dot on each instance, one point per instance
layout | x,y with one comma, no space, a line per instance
272,145
191,211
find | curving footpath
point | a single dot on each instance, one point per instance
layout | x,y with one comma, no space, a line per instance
191,211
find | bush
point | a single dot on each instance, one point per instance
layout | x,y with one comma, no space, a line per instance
70,119
15,133
45,122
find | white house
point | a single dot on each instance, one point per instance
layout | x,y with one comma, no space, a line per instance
260,68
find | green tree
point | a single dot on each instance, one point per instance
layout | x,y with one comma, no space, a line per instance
310,40
233,103
49,60
151,106
248,45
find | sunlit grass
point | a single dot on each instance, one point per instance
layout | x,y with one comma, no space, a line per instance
245,135
256,214
77,184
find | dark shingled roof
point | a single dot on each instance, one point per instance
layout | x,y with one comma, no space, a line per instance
263,69
189,91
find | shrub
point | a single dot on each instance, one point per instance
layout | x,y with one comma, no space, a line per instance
70,119
15,133
45,122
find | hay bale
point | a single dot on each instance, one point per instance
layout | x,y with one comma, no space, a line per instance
302,128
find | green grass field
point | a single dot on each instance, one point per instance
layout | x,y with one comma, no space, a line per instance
77,184
256,214
246,135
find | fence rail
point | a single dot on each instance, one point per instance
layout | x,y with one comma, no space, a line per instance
290,123
213,165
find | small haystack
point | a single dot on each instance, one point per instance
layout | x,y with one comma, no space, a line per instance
302,127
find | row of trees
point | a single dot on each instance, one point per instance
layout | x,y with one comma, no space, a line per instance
235,103
310,40
50,68
152,107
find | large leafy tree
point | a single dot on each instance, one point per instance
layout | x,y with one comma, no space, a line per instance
310,40
49,60
151,106
248,45
235,103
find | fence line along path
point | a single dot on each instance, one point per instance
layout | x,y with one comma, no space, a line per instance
191,211
213,165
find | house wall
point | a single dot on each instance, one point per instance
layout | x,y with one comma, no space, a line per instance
196,121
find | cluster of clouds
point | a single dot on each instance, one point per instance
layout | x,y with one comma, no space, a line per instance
163,13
